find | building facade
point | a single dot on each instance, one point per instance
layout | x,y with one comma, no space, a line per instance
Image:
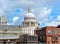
49,35
29,24
10,34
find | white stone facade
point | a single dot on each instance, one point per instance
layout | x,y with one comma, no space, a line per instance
29,24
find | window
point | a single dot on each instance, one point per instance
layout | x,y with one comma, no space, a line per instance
36,38
48,42
40,37
26,24
43,37
56,37
40,32
25,38
56,43
53,32
25,31
53,38
56,31
49,32
5,30
53,42
31,37
32,23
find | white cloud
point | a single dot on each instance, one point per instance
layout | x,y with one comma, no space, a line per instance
15,19
52,24
10,5
45,12
1,12
58,18
3,7
43,17
55,22
10,23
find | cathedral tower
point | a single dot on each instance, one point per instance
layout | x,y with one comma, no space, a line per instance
3,20
29,24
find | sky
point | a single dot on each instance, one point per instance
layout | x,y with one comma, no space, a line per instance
47,12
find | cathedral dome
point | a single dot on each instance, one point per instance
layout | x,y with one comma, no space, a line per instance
29,15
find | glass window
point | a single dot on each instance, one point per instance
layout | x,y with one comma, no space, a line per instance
53,42
56,37
32,23
53,38
26,24
40,37
56,31
48,42
36,38
25,38
53,32
31,37
56,43
43,37
38,32
5,30
25,31
49,32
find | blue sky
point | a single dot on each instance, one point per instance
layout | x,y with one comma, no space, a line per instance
47,12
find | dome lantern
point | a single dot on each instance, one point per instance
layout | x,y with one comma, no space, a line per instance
29,14
29,9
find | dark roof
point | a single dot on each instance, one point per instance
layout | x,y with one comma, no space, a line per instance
58,26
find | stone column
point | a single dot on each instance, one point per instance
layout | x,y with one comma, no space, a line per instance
30,24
